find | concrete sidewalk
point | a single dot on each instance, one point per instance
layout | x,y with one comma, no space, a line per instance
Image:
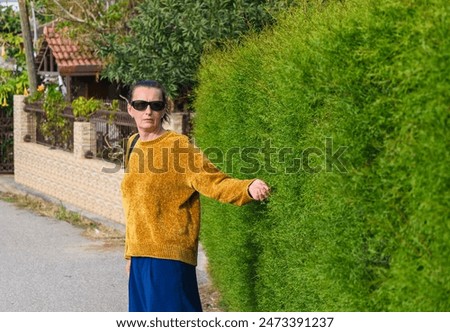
48,265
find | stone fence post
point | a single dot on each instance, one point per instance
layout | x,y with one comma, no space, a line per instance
24,123
83,139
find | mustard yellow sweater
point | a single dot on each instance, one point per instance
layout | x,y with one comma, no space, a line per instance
160,192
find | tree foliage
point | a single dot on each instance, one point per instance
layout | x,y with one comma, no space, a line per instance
13,80
9,21
10,37
162,39
84,14
88,20
165,39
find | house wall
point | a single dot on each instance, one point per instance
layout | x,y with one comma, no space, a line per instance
92,185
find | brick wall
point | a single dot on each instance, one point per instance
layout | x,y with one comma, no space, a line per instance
92,185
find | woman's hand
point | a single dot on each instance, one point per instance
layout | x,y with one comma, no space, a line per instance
259,190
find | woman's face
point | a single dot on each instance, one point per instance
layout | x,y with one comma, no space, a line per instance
147,120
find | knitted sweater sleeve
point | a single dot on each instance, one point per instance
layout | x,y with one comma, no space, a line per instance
204,177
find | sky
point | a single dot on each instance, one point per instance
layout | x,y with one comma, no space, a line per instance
9,3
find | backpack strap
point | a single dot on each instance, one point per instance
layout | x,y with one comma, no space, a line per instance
130,145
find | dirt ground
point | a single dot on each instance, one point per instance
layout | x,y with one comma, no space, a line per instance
210,298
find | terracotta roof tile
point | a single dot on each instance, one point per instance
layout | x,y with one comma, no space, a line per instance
70,58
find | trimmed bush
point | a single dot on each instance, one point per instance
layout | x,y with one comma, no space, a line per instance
343,109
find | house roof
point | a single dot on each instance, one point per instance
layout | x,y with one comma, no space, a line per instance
71,59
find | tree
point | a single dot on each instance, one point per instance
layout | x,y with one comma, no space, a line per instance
28,44
13,77
89,20
166,38
161,39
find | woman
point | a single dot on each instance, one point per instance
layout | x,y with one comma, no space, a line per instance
163,179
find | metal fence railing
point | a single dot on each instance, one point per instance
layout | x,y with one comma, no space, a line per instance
111,133
57,134
112,129
6,143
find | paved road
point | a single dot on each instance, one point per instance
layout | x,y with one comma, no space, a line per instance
48,265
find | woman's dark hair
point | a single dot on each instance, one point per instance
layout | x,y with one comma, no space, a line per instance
156,85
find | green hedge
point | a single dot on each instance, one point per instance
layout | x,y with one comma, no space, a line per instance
343,109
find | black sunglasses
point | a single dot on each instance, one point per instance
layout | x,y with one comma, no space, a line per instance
141,105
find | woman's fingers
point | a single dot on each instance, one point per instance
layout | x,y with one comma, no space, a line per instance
259,190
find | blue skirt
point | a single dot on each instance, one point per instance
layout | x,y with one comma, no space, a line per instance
162,285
